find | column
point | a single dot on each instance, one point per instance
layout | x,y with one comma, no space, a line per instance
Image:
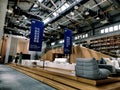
3,9
8,49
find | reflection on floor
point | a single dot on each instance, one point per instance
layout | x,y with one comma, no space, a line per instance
11,79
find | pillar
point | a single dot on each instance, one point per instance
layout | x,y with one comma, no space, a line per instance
3,9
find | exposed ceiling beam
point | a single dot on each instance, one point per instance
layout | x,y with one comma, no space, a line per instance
90,9
68,10
116,2
19,11
41,5
53,4
45,7
72,18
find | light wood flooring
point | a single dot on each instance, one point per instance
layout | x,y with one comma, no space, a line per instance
67,79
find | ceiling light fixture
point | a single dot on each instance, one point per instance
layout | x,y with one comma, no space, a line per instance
17,21
72,13
49,24
40,0
97,18
58,27
104,21
45,28
75,7
87,13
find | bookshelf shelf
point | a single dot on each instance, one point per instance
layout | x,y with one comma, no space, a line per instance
109,45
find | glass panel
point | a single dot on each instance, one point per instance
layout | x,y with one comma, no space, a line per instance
115,27
106,30
83,36
110,29
102,31
86,35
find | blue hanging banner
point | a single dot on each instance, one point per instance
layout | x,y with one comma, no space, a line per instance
67,41
36,35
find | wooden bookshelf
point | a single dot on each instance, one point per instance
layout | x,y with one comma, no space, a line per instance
108,45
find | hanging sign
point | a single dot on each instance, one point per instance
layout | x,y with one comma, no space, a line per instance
67,41
36,35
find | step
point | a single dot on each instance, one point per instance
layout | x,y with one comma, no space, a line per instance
50,82
67,80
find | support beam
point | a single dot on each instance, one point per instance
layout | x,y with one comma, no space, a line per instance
45,7
53,3
67,10
116,2
41,5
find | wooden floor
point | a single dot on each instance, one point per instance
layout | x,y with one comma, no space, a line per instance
68,79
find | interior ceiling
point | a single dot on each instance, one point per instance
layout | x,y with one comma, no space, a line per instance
80,16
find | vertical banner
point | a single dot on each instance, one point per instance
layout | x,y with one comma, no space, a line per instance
67,41
36,35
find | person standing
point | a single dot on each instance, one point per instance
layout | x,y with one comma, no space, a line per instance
20,57
16,58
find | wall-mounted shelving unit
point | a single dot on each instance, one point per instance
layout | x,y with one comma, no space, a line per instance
108,45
